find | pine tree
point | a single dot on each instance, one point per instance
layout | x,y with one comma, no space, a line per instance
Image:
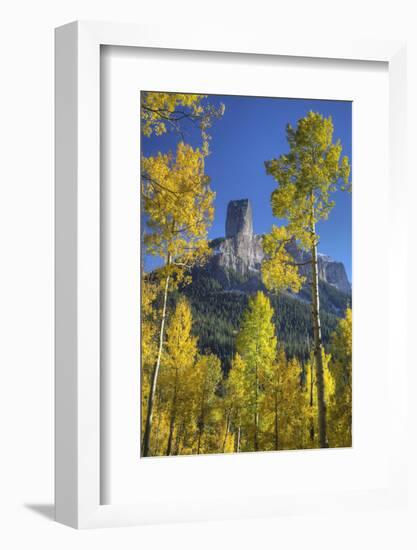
307,176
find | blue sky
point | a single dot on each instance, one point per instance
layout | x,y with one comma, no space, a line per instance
251,131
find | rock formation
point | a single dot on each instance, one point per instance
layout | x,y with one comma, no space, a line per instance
330,271
239,219
237,258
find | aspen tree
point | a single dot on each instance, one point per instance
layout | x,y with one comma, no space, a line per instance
256,343
149,330
181,350
306,177
206,378
178,206
235,400
311,432
163,112
176,200
341,368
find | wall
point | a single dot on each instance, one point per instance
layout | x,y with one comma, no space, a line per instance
26,274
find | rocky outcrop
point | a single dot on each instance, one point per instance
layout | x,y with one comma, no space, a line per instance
239,219
237,258
330,271
334,273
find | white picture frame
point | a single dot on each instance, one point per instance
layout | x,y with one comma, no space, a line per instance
77,242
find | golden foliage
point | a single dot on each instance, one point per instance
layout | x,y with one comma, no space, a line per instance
279,272
285,406
178,205
163,111
341,369
307,176
256,343
311,396
268,401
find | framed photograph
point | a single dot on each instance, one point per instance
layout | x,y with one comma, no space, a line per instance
226,305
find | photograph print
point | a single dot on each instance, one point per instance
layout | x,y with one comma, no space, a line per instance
246,269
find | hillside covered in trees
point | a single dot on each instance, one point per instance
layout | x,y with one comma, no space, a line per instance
217,315
219,292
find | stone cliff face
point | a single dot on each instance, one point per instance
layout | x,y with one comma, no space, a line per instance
334,273
330,271
239,219
237,258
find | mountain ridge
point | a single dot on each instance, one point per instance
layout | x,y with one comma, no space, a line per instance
236,258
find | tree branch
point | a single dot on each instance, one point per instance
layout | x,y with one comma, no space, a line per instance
300,263
181,264
158,184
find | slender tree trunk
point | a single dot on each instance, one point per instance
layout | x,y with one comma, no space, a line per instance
227,430
276,424
173,415
179,438
183,441
318,346
171,432
158,426
202,417
311,382
312,397
256,439
154,379
238,440
200,431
